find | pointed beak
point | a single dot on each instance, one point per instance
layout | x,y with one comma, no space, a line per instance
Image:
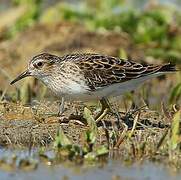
21,76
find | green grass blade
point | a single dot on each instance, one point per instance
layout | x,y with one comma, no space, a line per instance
175,131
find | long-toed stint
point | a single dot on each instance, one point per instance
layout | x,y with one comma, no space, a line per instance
87,77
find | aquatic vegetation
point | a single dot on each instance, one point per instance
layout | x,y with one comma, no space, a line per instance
65,148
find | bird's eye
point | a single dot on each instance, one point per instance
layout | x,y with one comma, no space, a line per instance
38,64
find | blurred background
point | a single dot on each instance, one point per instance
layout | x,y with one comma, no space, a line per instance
143,30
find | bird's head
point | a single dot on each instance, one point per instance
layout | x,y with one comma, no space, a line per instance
39,66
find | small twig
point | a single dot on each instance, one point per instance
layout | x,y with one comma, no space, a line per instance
122,137
135,123
106,133
146,127
138,109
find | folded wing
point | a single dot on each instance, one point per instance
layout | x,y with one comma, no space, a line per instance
100,70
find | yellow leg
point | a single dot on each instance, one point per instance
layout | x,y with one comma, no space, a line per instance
104,110
61,107
102,115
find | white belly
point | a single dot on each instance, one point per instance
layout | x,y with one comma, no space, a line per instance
119,88
80,91
107,91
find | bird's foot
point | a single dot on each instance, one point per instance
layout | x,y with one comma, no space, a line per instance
106,108
101,115
61,109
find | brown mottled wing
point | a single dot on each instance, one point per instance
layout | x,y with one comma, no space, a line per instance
100,70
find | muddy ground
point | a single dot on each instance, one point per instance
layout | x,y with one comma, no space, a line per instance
37,125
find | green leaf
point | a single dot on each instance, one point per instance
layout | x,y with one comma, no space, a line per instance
90,156
61,139
102,150
175,131
92,124
89,118
91,133
90,137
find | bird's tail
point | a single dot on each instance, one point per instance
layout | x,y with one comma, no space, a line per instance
168,68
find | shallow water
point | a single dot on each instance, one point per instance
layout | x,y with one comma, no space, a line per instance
110,171
113,169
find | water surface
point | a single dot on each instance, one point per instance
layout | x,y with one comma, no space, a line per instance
113,169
